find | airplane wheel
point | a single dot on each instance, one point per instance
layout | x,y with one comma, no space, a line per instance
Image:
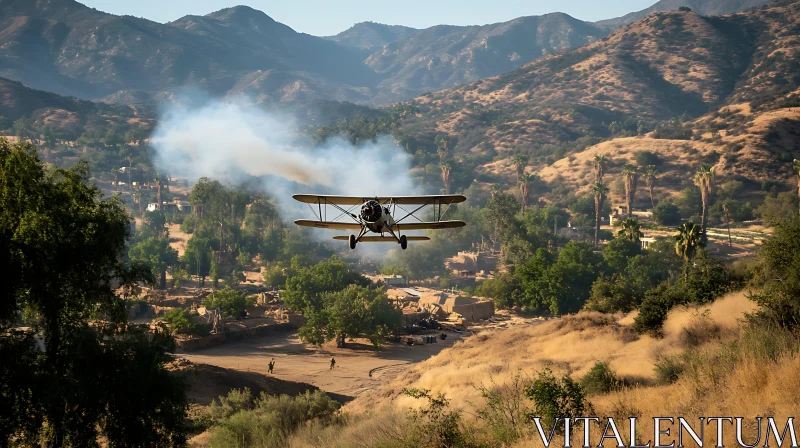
352,241
403,242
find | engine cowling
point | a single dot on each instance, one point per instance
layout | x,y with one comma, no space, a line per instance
371,211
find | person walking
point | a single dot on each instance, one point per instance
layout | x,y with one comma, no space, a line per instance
333,363
271,365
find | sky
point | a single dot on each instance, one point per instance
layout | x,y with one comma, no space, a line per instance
328,17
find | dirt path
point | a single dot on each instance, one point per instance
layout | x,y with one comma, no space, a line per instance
358,367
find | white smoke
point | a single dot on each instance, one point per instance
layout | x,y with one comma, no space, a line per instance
235,142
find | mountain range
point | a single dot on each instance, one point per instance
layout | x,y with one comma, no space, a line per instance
65,47
690,88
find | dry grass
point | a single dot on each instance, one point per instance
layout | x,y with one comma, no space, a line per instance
571,345
726,373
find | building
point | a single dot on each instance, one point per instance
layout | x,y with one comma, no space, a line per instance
171,207
470,308
647,241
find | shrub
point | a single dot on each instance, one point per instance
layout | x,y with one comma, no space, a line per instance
666,213
239,420
230,302
668,369
600,379
699,330
180,322
436,425
654,308
645,158
557,398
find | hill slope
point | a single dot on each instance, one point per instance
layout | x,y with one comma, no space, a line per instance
444,56
666,66
703,7
67,48
368,35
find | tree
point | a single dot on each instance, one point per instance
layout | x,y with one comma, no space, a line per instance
776,285
599,190
688,240
631,178
115,172
796,169
650,177
62,254
519,163
305,289
600,163
197,257
666,213
704,179
630,230
525,181
446,171
160,180
156,253
779,208
229,302
356,311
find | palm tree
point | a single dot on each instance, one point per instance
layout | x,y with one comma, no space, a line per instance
444,148
524,186
519,165
650,176
115,172
688,240
599,190
796,168
631,177
160,181
446,169
600,164
130,170
704,179
727,222
630,230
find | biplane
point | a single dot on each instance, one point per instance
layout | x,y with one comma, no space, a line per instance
376,216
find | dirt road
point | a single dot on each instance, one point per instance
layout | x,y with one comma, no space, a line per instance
359,367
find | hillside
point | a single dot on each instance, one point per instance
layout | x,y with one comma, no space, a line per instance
368,35
674,71
443,56
67,48
703,7
66,117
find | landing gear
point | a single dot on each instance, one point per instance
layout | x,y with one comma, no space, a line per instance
352,241
403,242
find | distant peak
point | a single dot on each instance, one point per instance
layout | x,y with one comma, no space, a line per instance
239,13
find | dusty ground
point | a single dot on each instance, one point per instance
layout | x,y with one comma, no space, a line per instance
358,366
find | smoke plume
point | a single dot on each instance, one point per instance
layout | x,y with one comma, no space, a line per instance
236,142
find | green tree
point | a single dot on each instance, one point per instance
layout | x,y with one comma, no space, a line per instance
704,179
776,285
304,290
156,253
650,178
688,240
599,191
779,208
630,175
630,230
666,213
356,311
600,164
62,254
519,163
228,301
525,181
197,257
